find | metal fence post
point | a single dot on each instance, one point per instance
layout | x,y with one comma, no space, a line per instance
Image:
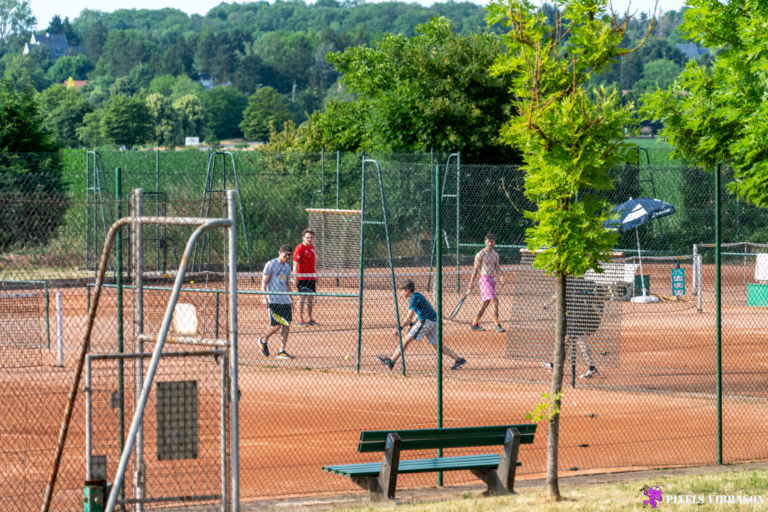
337,179
137,232
120,340
47,316
59,330
362,259
322,175
458,222
718,323
439,311
87,201
233,361
223,423
157,208
216,323
88,433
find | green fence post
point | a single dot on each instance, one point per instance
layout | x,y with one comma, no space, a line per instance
362,256
458,222
439,311
216,333
119,284
47,316
718,323
322,176
337,180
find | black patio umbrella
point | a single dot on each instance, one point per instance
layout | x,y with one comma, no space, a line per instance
633,214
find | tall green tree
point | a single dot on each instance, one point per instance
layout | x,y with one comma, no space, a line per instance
215,54
225,107
94,40
431,90
57,26
64,112
192,116
659,73
122,51
89,133
266,107
412,94
66,67
25,70
179,59
569,143
15,18
183,86
718,113
126,121
162,84
30,169
165,119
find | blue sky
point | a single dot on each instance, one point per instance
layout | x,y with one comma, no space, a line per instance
44,10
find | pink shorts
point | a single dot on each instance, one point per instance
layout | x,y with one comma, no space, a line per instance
487,287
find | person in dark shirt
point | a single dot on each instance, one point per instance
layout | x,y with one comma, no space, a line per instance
584,306
422,321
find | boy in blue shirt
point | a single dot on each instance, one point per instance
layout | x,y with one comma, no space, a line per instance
422,320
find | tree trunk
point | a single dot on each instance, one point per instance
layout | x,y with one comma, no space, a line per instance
553,434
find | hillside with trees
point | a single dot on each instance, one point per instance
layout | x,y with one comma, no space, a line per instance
245,70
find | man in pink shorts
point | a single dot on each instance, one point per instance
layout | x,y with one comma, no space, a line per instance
487,265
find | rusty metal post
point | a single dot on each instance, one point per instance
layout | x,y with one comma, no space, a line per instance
137,235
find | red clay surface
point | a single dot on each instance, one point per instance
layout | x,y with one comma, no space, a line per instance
656,408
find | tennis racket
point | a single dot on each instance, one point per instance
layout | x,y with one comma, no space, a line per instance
458,306
278,318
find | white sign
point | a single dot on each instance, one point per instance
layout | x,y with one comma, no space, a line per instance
192,141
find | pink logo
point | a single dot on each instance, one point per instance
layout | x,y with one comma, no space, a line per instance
653,494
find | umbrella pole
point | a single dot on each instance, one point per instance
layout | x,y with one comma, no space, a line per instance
639,257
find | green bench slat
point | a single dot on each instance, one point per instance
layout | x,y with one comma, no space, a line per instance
446,433
466,462
427,444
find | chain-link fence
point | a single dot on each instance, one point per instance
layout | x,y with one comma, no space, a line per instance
301,411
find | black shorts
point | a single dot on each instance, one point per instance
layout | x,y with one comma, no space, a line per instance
306,285
283,310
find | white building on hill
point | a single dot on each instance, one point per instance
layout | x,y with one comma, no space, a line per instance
56,43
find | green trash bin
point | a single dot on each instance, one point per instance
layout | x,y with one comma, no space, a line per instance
757,295
638,292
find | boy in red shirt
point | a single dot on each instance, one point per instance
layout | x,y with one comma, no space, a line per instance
304,263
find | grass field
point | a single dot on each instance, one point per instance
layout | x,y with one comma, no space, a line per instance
659,151
619,496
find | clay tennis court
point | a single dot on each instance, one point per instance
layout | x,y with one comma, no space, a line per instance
656,408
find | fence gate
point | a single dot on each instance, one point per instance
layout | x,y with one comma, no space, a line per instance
181,452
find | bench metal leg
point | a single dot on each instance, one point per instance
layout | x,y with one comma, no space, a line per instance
501,481
382,489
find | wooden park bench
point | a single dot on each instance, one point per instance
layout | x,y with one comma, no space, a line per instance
496,470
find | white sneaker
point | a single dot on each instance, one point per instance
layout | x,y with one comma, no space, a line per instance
548,366
590,373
